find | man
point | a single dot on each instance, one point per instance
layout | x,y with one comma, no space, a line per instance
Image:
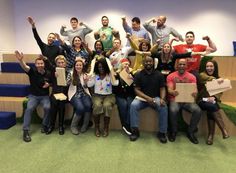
39,89
161,31
76,30
182,76
135,30
193,62
117,53
149,86
49,50
106,33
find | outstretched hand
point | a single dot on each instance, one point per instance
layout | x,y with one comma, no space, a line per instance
30,20
19,55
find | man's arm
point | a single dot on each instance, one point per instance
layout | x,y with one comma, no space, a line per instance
211,45
63,32
23,65
125,25
139,93
176,34
86,29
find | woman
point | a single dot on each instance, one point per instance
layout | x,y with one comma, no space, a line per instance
103,98
124,93
166,58
57,105
211,103
78,49
78,93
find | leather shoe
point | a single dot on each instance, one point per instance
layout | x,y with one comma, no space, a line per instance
162,137
192,138
26,136
50,130
61,131
44,129
172,136
135,134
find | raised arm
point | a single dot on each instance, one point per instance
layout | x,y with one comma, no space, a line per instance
211,45
20,57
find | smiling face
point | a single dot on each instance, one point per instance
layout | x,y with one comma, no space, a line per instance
98,46
74,24
51,38
61,63
105,21
77,42
144,47
161,21
116,44
79,67
148,63
167,48
210,68
182,65
189,38
39,64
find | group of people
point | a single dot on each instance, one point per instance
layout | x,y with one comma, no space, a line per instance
98,79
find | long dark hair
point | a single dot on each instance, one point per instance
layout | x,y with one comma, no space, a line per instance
169,55
216,69
146,42
104,65
81,46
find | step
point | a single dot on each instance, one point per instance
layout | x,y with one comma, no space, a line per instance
226,65
7,119
10,57
14,78
12,104
13,67
14,90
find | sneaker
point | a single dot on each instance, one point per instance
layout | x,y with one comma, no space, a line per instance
74,130
162,137
50,130
127,130
26,136
135,134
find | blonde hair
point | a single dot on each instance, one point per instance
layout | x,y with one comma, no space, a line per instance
60,57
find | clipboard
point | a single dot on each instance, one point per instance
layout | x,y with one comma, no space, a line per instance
61,78
213,87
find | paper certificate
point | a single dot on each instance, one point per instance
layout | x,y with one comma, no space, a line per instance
60,96
185,91
61,78
213,87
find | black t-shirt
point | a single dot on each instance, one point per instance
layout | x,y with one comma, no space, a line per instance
37,80
149,84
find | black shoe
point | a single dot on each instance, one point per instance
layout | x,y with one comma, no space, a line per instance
44,129
61,131
50,130
172,136
192,138
26,136
162,137
127,129
135,134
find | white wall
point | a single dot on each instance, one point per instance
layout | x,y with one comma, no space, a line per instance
215,18
7,38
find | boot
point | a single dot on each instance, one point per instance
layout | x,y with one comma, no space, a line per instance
106,126
135,134
211,131
61,121
96,124
219,121
85,122
74,125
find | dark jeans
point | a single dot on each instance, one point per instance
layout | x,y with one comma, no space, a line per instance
174,109
123,105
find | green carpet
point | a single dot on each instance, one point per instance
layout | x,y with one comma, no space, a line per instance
86,153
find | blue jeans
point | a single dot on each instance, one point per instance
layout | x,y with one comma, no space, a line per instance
123,105
81,104
193,108
137,105
33,102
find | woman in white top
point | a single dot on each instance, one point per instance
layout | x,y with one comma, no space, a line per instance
103,98
78,93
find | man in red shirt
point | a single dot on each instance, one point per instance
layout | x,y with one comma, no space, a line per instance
193,62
